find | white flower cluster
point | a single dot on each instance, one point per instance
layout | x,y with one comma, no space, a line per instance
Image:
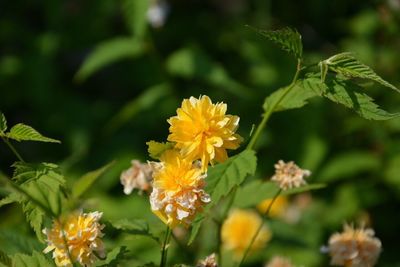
289,175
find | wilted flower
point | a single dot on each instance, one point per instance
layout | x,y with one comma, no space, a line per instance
289,175
354,247
238,230
277,209
138,176
210,261
80,233
177,190
278,261
202,131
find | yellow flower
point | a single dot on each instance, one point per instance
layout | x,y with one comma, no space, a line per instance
177,190
81,233
354,247
201,130
278,208
238,230
289,175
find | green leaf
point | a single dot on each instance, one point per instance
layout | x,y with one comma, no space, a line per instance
18,242
297,97
287,38
22,132
11,198
193,63
156,149
40,187
349,164
87,180
135,227
5,259
256,191
350,95
114,257
108,52
135,15
349,66
3,122
222,178
37,259
144,101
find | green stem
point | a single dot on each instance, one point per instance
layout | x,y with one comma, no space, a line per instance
164,252
12,148
271,109
65,242
259,228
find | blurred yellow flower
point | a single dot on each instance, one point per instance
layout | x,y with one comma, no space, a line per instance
278,208
289,175
238,230
201,130
81,232
278,261
354,247
177,190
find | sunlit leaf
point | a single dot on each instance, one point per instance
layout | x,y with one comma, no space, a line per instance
114,257
107,53
135,15
22,132
135,227
349,66
3,122
156,149
5,259
37,259
87,180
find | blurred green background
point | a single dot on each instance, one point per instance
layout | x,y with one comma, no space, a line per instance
103,78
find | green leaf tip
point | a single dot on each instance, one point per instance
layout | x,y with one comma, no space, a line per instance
3,122
349,66
23,132
287,38
156,149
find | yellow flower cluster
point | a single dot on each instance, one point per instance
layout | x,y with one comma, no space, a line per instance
278,261
238,230
201,133
76,239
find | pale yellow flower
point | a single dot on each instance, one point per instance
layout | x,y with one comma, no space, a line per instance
177,190
354,247
138,176
238,230
278,208
278,261
289,175
209,261
201,130
81,232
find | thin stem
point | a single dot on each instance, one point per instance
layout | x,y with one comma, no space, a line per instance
259,228
271,109
12,148
165,248
65,242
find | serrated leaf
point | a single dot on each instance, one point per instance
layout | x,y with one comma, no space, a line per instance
35,217
17,241
135,227
114,257
297,97
135,15
87,180
287,38
11,198
223,177
5,259
37,259
347,65
350,95
3,122
22,132
107,53
156,149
